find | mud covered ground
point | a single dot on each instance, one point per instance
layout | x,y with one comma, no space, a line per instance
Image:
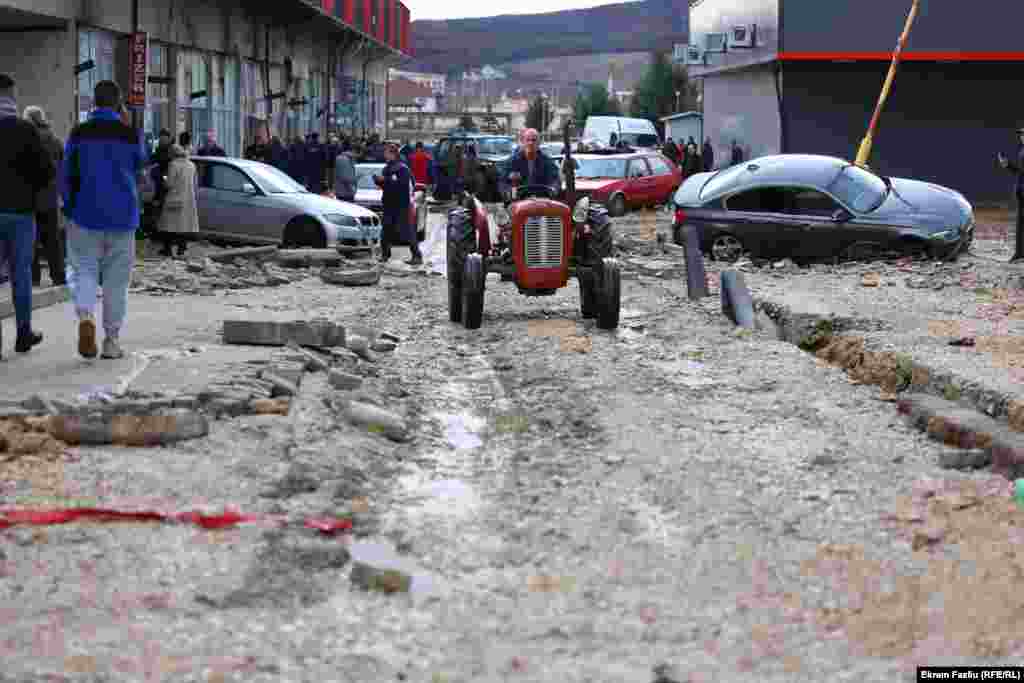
673,499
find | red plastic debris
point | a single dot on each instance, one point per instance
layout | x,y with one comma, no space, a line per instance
222,521
329,525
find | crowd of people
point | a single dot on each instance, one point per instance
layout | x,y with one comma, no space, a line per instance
691,159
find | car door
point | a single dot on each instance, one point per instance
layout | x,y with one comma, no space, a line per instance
639,188
758,218
203,197
823,236
665,181
240,213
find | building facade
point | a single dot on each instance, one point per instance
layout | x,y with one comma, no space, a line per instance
230,68
810,80
436,82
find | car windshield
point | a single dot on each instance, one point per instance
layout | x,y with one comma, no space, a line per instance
364,178
640,139
601,168
860,190
494,146
272,180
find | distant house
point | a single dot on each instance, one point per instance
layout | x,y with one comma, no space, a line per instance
684,125
405,95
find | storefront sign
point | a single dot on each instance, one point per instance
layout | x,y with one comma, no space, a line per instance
138,71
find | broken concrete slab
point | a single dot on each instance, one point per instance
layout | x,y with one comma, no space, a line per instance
270,333
350,278
129,430
344,381
287,369
312,361
281,386
304,258
361,347
377,420
229,255
383,346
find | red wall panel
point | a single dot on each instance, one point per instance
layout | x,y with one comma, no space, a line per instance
406,45
367,16
382,17
349,15
392,17
328,6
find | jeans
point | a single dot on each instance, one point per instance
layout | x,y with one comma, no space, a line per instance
50,244
95,255
17,243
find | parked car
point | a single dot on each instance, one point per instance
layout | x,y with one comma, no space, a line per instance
370,196
622,181
493,152
809,207
239,200
637,133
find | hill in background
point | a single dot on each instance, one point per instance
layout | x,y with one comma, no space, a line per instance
443,46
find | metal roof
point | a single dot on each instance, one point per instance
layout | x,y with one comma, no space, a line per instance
685,114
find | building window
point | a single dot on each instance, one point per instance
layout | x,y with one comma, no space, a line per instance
193,95
99,46
226,117
254,102
315,97
158,95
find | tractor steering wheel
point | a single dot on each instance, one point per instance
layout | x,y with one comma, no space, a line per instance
524,191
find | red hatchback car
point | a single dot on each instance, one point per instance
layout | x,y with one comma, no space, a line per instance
628,180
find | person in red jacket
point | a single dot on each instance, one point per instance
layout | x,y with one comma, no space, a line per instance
420,162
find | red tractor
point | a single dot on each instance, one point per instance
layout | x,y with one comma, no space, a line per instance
541,243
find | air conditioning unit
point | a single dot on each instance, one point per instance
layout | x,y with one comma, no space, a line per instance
694,56
716,42
743,36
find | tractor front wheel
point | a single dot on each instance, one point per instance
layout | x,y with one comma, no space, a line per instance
608,292
474,275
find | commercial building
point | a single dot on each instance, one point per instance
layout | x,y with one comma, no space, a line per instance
804,76
436,82
197,65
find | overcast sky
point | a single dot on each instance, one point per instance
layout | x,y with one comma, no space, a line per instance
463,9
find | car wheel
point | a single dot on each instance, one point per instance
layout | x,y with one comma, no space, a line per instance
303,231
617,205
727,248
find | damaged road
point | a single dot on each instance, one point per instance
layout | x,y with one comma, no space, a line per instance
537,500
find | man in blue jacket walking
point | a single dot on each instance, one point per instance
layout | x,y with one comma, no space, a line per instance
102,161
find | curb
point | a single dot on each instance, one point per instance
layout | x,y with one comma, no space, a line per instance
41,298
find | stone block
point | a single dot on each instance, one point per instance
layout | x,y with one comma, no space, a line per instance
282,386
304,258
269,333
230,255
313,362
288,370
377,420
343,381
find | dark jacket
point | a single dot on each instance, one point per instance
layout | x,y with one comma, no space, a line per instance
278,156
46,199
397,181
211,151
737,155
544,170
297,161
26,167
258,152
314,158
1017,169
708,156
102,159
671,151
344,177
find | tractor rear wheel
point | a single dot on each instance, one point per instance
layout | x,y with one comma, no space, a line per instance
473,277
461,242
609,293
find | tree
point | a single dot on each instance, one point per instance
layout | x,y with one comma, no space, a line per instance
466,123
540,114
594,101
655,95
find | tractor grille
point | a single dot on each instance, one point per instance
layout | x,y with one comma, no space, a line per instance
544,242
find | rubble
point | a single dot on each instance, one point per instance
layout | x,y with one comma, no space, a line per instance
203,272
313,362
369,578
129,430
361,347
383,346
377,419
351,277
343,380
305,258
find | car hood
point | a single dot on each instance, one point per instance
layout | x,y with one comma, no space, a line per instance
494,158
369,196
924,204
316,204
594,184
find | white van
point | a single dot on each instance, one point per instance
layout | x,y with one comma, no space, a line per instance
639,133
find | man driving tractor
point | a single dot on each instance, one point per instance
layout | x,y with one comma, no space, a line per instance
530,166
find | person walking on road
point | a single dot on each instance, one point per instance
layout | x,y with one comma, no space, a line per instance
314,158
345,177
395,180
180,217
26,169
102,160
1016,167
50,240
671,151
185,141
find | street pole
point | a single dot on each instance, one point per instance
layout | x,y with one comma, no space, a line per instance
864,153
677,101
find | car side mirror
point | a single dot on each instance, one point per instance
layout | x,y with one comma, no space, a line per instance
841,216
249,188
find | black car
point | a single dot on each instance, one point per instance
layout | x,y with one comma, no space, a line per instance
809,207
492,151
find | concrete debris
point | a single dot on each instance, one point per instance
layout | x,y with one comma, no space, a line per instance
344,381
230,255
369,578
377,420
313,362
350,278
282,387
205,274
391,337
270,406
129,430
305,258
361,347
267,333
383,346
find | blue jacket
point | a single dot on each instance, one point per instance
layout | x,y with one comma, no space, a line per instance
99,185
544,170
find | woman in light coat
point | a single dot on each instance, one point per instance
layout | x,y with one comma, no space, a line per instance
179,217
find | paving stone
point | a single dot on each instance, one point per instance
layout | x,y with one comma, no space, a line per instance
129,430
269,333
343,380
282,387
377,420
312,361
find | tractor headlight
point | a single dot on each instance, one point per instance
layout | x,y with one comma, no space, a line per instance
579,213
502,217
